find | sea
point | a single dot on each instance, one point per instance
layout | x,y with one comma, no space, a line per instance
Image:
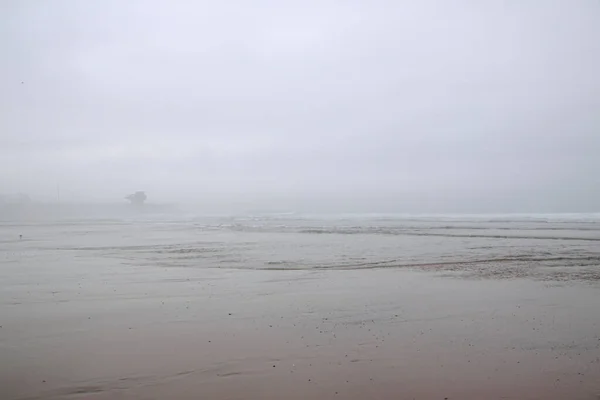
539,246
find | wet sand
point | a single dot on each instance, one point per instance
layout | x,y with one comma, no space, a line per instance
181,333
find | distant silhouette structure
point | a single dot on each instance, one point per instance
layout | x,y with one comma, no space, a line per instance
137,199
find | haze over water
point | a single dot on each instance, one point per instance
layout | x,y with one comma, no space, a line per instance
336,106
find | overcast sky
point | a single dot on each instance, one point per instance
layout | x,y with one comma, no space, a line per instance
452,105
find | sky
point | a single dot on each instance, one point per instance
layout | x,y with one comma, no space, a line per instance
405,106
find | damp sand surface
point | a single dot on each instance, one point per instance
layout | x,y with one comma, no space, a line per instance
91,318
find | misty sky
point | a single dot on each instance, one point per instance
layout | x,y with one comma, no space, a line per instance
449,105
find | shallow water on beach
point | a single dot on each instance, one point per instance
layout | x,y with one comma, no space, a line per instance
563,246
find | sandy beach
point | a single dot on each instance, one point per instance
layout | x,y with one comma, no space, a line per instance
77,326
288,334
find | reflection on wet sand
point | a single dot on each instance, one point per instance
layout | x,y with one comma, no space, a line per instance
307,334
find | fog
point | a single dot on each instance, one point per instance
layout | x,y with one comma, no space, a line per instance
404,106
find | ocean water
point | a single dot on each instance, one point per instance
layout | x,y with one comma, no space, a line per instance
557,246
